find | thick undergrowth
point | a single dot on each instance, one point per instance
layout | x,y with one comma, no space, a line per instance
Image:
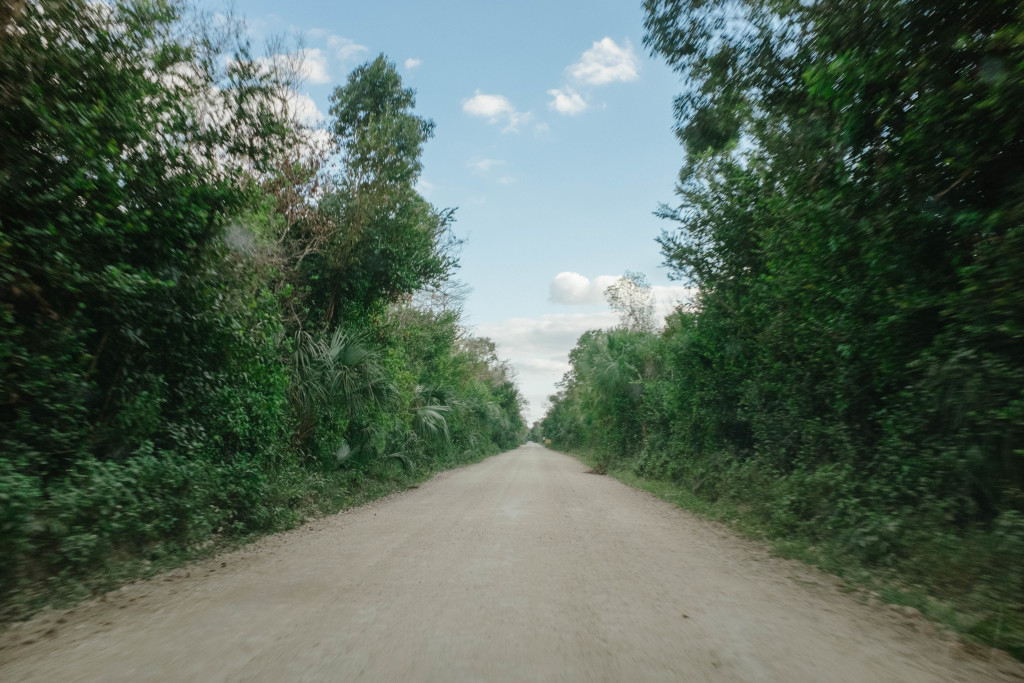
215,319
848,376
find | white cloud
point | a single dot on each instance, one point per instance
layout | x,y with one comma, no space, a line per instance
313,66
491,106
309,64
666,298
541,128
516,119
303,109
538,349
484,165
258,28
606,62
345,48
544,365
425,187
573,289
413,62
567,101
496,109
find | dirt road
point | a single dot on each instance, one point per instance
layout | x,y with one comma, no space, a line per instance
523,567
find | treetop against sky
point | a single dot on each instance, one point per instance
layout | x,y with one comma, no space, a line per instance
553,140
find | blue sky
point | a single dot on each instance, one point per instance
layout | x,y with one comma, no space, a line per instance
554,141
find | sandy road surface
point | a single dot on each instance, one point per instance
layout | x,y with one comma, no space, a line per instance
522,567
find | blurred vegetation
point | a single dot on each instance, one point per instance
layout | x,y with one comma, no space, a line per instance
851,373
207,321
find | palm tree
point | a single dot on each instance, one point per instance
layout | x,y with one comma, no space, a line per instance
428,409
331,372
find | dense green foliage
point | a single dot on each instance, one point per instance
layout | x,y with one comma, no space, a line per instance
851,210
205,317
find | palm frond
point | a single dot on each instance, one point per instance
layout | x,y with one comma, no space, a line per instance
406,461
339,371
429,420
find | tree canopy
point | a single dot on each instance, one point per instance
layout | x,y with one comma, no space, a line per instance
205,327
850,210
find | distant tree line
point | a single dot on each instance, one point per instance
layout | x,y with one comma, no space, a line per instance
851,211
207,315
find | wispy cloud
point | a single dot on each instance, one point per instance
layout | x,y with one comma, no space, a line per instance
258,27
309,64
573,289
485,165
567,101
425,187
303,109
345,48
413,62
545,365
314,138
497,110
548,336
538,349
491,106
313,66
668,298
606,62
